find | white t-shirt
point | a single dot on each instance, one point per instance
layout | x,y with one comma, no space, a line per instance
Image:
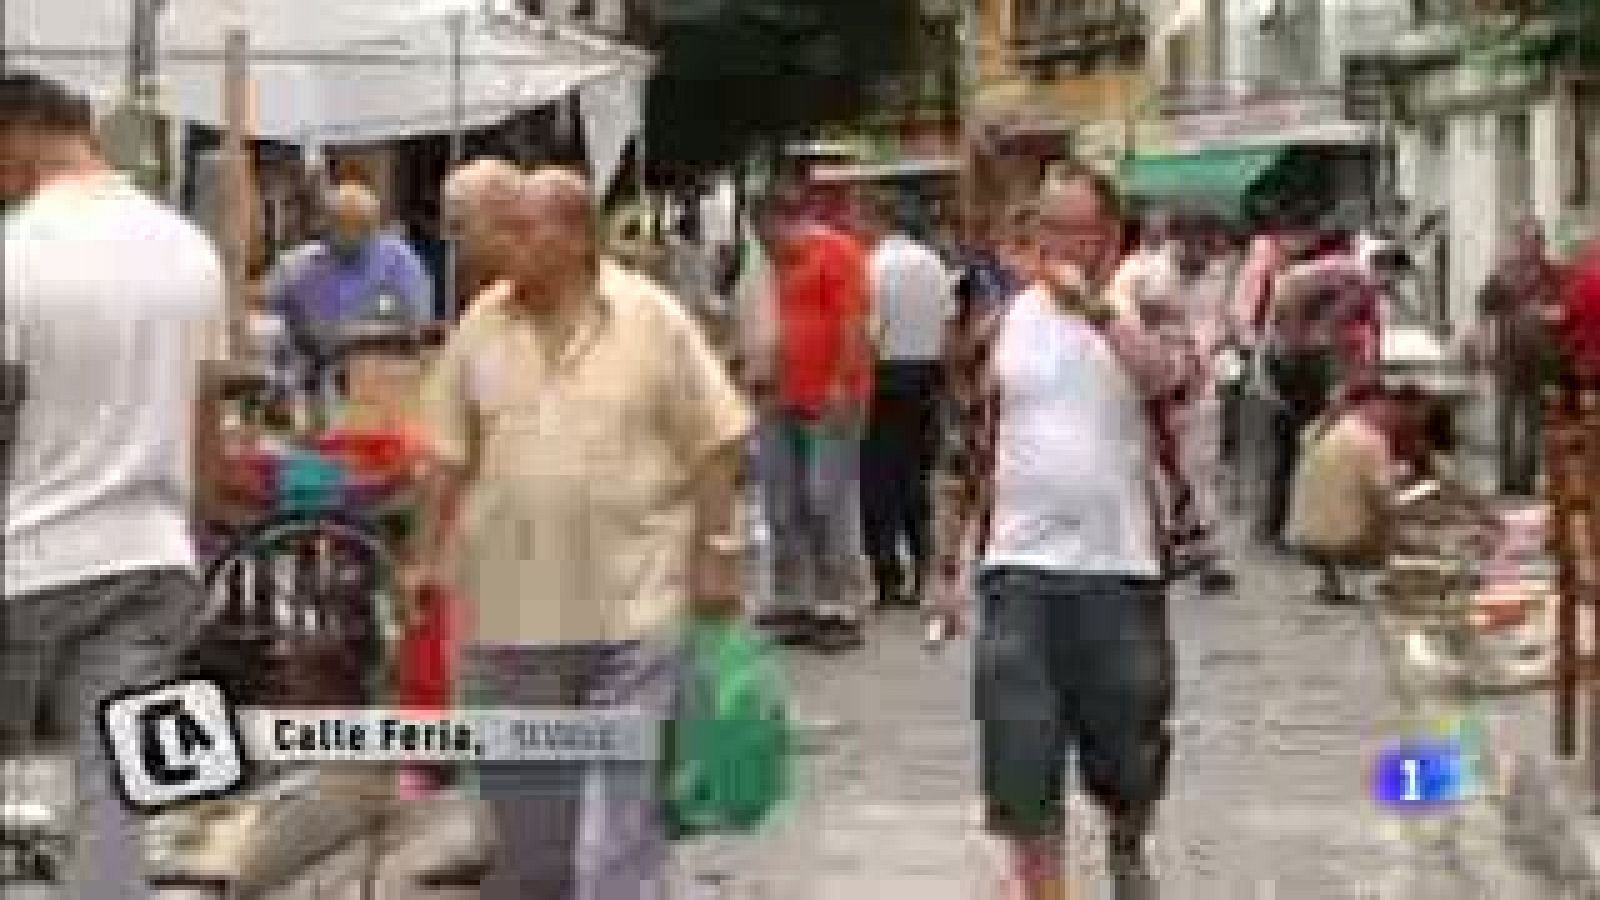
1073,455
913,296
755,310
111,303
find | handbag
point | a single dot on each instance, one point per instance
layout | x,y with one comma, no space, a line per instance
728,750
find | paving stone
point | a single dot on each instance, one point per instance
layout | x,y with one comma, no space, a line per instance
1282,707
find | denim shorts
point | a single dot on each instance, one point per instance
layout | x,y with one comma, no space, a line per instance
1071,660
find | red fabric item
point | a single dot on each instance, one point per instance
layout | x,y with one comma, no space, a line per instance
427,654
1582,325
822,290
380,453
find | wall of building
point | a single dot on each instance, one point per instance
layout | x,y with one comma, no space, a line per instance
1106,106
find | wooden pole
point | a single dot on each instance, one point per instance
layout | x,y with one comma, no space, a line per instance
1558,455
1588,424
239,191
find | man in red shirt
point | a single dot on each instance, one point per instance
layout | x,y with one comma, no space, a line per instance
815,409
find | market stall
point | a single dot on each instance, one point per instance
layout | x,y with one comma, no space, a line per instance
325,72
304,607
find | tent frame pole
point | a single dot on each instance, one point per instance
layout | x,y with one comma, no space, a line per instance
458,152
86,52
239,181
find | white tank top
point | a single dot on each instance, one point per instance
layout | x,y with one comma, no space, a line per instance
1073,453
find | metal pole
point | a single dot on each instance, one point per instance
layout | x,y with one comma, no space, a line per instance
458,152
140,49
237,178
149,156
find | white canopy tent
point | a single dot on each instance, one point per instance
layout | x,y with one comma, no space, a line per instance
326,71
316,72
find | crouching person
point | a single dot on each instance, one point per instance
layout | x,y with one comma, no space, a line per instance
1338,514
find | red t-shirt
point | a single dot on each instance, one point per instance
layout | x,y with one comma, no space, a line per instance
1582,315
823,293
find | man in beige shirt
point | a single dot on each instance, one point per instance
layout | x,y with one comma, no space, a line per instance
587,443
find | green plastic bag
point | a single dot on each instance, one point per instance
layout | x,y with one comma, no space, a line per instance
728,749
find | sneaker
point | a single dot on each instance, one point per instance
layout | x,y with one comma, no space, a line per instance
1216,580
787,627
835,634
1131,877
1326,596
890,596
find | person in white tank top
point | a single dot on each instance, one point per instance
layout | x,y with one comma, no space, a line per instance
1058,481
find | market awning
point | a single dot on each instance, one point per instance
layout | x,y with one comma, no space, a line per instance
1217,181
327,71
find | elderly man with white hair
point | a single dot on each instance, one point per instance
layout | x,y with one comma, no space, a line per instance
585,448
475,199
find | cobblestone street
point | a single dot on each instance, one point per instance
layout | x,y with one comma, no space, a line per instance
1282,707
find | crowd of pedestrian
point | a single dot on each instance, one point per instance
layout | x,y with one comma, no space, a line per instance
1051,417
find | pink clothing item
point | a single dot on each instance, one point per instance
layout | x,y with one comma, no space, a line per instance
1303,314
1253,288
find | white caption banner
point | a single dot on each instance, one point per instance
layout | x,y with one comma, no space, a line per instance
468,735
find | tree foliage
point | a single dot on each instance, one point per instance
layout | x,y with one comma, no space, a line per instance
732,74
1582,21
1559,32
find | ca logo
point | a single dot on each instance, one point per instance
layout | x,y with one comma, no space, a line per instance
172,743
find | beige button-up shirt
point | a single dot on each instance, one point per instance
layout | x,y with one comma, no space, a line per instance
583,442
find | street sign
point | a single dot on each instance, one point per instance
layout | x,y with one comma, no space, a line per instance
1367,81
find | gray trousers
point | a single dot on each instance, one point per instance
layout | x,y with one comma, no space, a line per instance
574,830
1519,424
813,509
62,651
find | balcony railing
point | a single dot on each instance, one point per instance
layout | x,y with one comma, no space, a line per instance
1080,31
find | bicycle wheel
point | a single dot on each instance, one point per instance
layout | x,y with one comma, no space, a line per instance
300,612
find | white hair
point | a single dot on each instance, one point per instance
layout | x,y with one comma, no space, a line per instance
478,184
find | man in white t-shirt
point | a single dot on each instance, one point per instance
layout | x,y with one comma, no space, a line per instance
913,301
111,304
1061,468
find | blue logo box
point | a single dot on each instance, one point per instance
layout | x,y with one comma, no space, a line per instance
1421,775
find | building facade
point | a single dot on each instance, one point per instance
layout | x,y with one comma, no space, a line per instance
1487,132
1067,66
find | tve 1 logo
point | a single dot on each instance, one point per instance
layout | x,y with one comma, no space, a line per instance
172,743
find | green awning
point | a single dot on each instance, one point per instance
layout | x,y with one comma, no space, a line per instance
1220,181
